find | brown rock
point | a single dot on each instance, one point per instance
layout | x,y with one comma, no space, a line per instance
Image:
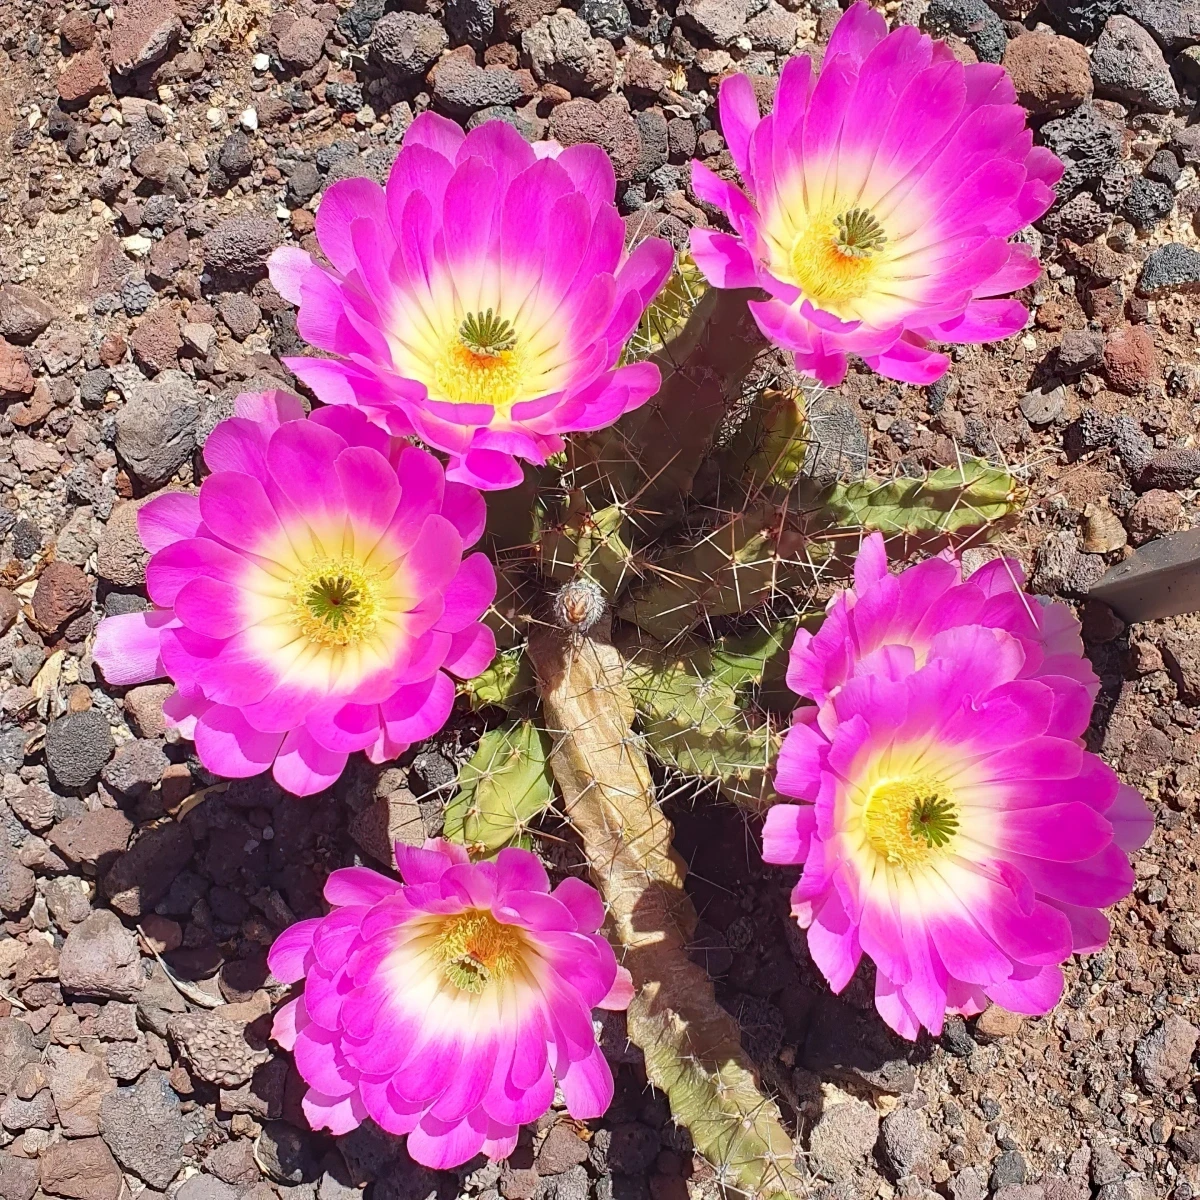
156,342
219,1051
143,32
23,314
1051,73
1155,514
10,610
144,708
996,1022
17,882
83,76
92,837
121,558
113,348
1102,530
34,806
167,256
1181,656
18,1177
644,75
78,1083
163,934
301,43
16,379
515,16
1130,360
81,1169
562,1150
1149,751
77,30
63,591
141,877
607,123
27,413
100,958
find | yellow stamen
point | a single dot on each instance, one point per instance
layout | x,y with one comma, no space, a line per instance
907,820
336,602
475,949
836,256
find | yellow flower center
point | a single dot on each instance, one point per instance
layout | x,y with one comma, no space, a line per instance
835,257
336,602
482,363
906,820
475,949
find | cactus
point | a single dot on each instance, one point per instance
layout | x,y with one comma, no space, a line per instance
507,683
691,1045
665,319
768,449
505,786
588,543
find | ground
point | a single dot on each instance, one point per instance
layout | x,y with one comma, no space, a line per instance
151,156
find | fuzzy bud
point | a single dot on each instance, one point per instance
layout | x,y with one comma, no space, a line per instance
579,604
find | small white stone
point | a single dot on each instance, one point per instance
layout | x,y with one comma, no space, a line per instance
262,62
137,245
249,119
216,117
1029,342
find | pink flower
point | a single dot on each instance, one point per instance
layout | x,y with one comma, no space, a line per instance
446,1007
311,599
881,192
956,830
480,301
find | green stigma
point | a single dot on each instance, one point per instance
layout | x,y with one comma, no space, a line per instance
468,974
935,819
333,599
859,233
485,334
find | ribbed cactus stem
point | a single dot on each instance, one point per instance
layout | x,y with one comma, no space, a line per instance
692,1046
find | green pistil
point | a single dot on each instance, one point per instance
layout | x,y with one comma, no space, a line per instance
934,819
859,233
467,973
332,599
486,334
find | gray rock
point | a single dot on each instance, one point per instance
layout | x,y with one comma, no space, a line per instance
77,747
407,44
218,1051
206,1187
1080,19
1127,65
1170,268
18,1177
606,18
35,1113
1087,144
136,768
143,1127
652,131
470,20
837,447
16,1050
561,50
156,428
971,20
843,1137
100,959
285,1153
519,121
1008,1168
633,1148
17,882
1175,24
1173,470
238,248
461,86
1148,202
1080,350
23,314
1061,568
1162,1059
1164,167
304,182
1044,407
572,1184
904,1141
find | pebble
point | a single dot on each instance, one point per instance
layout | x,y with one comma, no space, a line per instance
63,591
562,1149
904,1141
81,1169
301,42
156,428
1147,203
971,20
24,315
1041,408
94,837
1162,1058
562,51
1173,470
1087,144
77,747
238,248
1130,360
407,44
17,882
842,1138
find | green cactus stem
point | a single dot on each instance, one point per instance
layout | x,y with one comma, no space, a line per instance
691,1045
587,542
769,447
506,785
666,317
507,683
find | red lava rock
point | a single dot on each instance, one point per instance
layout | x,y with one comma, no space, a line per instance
18,1177
81,1169
62,592
1051,73
300,40
112,349
16,882
10,610
1130,360
77,30
25,414
92,836
162,933
156,342
142,33
607,123
144,707
16,379
168,255
83,77
1155,514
